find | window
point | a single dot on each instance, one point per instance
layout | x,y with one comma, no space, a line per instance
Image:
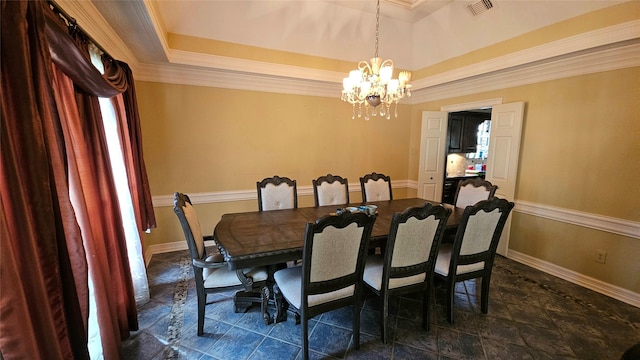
134,246
482,150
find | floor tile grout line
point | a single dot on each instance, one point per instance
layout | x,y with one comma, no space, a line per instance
581,301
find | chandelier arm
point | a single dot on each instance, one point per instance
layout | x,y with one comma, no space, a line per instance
365,68
387,62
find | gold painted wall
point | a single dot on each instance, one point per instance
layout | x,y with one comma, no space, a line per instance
580,151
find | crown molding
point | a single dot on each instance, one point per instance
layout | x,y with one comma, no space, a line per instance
260,68
157,25
567,56
572,44
611,48
623,55
605,49
199,76
603,60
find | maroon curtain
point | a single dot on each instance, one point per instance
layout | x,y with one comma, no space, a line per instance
95,202
54,155
43,301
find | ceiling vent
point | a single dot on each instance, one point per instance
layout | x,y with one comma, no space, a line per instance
479,7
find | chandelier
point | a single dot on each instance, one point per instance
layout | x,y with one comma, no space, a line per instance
371,84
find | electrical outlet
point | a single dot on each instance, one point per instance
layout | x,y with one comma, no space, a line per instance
600,256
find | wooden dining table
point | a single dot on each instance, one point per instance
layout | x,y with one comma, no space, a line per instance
261,238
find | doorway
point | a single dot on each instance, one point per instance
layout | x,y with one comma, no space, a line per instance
467,148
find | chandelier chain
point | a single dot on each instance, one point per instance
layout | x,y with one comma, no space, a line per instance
377,25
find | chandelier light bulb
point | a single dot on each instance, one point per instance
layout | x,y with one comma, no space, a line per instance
386,73
392,86
365,86
346,84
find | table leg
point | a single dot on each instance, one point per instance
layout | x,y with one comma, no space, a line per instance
281,305
265,295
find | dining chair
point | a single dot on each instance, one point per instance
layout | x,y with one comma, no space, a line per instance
330,276
409,259
473,250
376,187
276,193
470,191
330,190
211,272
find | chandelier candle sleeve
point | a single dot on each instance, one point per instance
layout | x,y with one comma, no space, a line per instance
372,84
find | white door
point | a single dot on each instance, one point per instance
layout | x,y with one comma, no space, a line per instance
433,139
504,150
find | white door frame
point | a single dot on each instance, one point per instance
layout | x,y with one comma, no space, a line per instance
433,139
472,105
433,187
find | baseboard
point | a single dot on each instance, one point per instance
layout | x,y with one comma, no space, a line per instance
590,283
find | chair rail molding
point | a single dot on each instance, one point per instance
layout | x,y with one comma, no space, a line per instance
239,195
593,221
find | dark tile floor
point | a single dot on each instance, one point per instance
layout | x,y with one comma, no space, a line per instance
532,315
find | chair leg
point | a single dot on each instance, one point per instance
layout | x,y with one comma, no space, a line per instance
305,337
202,300
356,323
385,315
484,297
426,308
451,286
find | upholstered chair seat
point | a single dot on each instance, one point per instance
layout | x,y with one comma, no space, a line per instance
222,277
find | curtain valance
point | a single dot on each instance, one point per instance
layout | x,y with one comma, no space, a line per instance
73,61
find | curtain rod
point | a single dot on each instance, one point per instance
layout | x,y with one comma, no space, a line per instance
73,26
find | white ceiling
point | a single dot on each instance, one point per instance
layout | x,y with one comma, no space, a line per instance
414,33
